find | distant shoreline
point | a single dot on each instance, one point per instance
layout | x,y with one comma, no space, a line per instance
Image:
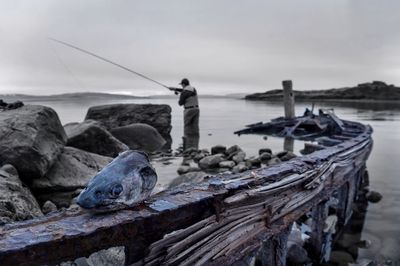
376,91
326,100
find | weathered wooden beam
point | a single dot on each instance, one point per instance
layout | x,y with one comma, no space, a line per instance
273,250
318,236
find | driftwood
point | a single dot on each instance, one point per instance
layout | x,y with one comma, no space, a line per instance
223,220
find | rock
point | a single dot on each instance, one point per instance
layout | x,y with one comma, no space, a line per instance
254,162
111,256
72,170
263,150
281,154
265,157
218,149
192,178
139,137
194,168
48,206
211,161
199,156
288,156
341,257
239,157
347,240
297,255
227,164
16,200
373,196
233,150
62,199
364,244
31,138
241,167
183,169
92,137
274,161
117,115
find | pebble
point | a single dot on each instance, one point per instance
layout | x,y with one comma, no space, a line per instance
227,164
218,149
48,207
263,150
373,196
265,157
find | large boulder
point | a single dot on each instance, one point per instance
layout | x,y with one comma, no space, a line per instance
117,115
92,137
31,138
16,200
72,171
139,137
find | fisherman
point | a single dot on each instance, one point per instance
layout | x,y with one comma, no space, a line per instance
188,98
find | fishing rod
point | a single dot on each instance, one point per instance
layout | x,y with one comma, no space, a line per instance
108,61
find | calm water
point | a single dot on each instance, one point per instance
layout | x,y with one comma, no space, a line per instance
220,117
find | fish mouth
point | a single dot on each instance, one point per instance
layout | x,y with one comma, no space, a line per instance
105,207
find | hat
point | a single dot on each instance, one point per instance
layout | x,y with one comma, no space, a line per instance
184,81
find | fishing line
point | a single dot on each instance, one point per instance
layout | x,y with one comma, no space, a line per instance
74,77
108,61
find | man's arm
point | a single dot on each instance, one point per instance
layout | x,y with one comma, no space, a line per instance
184,95
175,89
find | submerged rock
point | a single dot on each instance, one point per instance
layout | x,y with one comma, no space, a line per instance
92,137
31,138
373,196
16,200
139,137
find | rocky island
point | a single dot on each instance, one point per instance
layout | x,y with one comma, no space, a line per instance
370,91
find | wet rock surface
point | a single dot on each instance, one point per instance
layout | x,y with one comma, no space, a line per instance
31,138
92,137
16,200
117,115
373,196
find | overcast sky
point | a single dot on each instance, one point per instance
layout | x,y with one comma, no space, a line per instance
223,47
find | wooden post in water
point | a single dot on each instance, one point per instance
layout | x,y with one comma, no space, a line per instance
288,98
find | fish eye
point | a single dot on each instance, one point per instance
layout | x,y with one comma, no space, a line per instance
116,190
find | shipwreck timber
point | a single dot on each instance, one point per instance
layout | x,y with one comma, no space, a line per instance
226,220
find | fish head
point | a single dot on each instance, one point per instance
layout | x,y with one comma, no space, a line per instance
127,180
